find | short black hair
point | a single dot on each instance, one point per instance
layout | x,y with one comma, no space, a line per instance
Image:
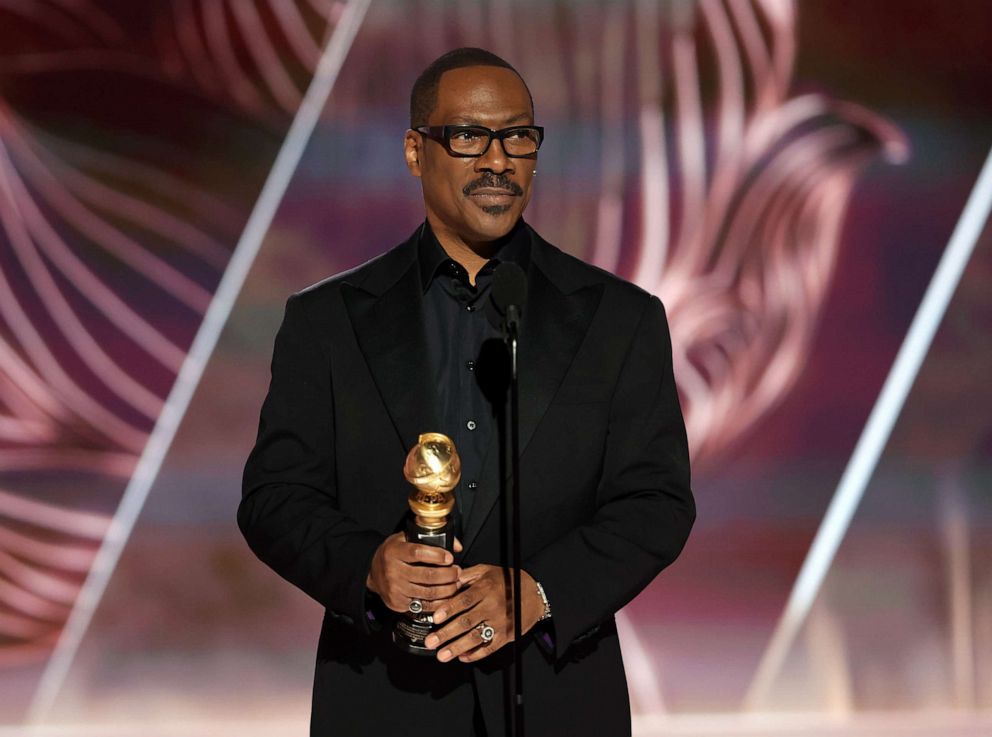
423,96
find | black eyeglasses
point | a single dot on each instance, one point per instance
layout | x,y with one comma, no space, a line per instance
469,141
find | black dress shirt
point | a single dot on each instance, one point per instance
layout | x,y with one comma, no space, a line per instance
465,350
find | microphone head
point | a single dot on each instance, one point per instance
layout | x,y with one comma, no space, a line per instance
509,286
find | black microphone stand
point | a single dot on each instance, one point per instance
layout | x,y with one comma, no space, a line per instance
512,326
509,293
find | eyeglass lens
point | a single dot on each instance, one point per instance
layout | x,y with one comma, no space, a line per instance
516,141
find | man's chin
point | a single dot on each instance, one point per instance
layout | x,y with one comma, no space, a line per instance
496,210
494,221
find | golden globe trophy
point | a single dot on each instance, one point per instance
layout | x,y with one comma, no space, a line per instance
434,469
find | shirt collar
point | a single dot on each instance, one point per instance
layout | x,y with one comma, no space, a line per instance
432,256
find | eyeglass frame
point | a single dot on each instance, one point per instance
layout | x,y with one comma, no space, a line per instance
442,134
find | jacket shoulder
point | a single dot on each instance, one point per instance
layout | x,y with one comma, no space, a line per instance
574,273
374,275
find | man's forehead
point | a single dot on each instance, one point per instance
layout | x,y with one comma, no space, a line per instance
483,94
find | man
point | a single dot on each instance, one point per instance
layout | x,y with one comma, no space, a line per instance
366,361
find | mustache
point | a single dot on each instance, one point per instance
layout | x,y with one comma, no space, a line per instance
493,181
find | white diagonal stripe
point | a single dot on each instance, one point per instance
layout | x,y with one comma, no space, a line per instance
876,433
202,348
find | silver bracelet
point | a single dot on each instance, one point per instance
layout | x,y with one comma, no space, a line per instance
544,598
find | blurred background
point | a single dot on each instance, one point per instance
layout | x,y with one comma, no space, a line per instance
786,176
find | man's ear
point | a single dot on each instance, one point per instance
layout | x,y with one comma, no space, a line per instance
413,151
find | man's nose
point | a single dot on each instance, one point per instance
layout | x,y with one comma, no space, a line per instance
494,159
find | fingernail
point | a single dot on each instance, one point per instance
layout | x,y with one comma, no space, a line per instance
449,558
439,616
444,656
431,641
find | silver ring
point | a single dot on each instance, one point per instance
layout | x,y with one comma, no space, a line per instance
416,606
486,631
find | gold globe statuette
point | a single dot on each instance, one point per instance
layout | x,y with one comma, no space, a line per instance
434,469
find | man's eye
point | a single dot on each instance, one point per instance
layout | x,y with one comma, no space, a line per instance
523,137
466,135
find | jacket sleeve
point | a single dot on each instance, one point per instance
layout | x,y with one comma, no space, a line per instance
644,505
289,512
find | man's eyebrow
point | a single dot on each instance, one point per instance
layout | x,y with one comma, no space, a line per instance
467,120
517,118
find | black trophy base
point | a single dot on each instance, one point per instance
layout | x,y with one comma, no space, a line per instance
412,629
409,635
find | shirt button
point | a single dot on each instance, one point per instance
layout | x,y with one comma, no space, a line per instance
473,485
470,365
470,424
470,308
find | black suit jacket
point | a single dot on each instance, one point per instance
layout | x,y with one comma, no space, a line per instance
604,475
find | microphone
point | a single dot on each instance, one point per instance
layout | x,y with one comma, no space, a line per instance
507,297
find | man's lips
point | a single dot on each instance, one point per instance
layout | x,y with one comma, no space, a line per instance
493,193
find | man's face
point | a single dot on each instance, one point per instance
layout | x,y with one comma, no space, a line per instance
474,199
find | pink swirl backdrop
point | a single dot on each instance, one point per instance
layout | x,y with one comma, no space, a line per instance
784,175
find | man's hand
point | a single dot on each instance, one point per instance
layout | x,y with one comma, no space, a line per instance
485,598
402,571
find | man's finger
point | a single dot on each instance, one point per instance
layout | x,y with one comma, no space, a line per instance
416,553
465,600
430,598
484,650
432,575
472,573
455,628
439,594
467,646
458,545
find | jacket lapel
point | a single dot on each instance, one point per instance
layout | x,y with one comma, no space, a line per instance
387,312
561,302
